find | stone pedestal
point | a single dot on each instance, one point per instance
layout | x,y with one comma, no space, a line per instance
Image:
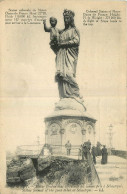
69,121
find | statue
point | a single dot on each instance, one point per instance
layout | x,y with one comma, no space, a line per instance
54,33
69,114
66,49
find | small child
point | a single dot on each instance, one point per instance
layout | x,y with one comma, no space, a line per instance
54,33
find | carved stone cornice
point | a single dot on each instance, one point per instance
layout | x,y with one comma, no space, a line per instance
68,121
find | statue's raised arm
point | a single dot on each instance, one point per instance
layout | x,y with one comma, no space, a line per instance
54,33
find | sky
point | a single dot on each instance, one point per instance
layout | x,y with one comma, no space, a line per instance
28,90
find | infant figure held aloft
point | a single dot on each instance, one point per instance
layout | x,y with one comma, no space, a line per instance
54,33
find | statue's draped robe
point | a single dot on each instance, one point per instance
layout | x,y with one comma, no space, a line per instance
66,61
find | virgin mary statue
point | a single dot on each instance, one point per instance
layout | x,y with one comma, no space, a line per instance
66,58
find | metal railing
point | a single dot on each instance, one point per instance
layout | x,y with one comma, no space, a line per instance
35,150
56,149
29,150
120,153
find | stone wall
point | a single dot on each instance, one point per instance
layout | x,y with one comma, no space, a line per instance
120,153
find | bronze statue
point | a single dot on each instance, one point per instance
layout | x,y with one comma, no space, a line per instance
67,48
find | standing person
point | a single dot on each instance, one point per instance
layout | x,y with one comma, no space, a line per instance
98,146
68,147
88,143
94,154
85,151
104,155
80,152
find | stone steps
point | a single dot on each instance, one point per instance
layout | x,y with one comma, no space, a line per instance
114,172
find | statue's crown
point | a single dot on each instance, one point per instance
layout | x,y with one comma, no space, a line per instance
68,13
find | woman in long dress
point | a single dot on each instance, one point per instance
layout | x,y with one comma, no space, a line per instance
104,155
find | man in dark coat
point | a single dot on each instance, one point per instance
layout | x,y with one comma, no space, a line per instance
94,154
104,155
88,144
84,151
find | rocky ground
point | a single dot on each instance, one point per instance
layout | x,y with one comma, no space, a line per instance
67,172
53,170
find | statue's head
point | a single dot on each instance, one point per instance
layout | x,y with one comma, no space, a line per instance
53,21
68,18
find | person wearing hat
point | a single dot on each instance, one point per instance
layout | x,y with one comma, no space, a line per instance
94,154
104,155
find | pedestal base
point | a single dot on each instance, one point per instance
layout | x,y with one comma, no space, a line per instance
72,123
